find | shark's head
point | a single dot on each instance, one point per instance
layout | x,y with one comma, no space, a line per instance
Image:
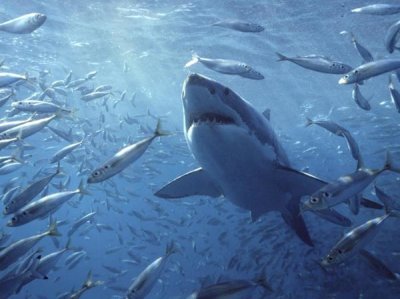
209,103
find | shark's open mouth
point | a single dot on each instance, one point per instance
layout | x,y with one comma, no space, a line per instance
211,118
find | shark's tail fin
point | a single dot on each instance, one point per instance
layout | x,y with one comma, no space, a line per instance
294,219
388,202
195,59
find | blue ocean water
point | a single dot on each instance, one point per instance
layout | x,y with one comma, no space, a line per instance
141,47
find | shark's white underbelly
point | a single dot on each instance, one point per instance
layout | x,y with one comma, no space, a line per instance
239,164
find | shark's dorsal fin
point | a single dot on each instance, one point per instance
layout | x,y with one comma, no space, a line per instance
267,113
195,182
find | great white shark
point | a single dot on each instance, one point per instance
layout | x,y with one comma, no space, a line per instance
241,158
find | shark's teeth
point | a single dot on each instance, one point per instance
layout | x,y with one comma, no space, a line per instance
211,118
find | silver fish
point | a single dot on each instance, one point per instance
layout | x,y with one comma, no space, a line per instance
58,156
225,66
124,157
239,26
146,280
26,195
360,100
355,240
24,24
13,252
38,107
378,9
345,187
394,94
318,63
43,207
369,70
392,37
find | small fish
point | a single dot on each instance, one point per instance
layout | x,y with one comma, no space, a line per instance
146,280
369,70
14,251
240,26
378,9
345,187
43,206
360,100
355,240
28,193
94,95
124,157
378,266
364,53
58,156
394,94
10,78
27,129
24,24
38,107
90,75
327,125
318,63
230,289
225,66
392,37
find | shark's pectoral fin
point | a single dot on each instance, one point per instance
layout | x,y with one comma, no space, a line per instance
294,219
195,182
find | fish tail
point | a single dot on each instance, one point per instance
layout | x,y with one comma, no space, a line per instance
388,202
281,57
89,280
158,132
18,154
389,163
82,189
194,60
171,249
263,282
53,229
309,122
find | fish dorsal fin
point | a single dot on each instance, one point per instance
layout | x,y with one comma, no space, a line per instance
267,114
195,182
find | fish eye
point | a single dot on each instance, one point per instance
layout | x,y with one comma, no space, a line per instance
106,167
356,72
96,173
325,194
24,213
340,251
211,90
14,219
314,200
346,76
330,258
